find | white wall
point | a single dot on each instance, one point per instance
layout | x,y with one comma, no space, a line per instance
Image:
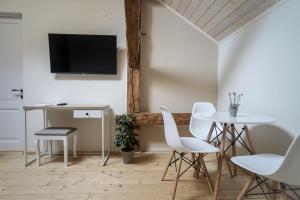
179,64
40,86
179,67
262,60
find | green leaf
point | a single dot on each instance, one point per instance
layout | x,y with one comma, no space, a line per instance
125,136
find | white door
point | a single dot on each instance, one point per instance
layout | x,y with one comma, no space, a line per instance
11,113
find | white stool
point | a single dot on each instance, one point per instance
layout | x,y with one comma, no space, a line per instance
56,133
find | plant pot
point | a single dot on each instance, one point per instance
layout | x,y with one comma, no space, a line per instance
127,156
233,111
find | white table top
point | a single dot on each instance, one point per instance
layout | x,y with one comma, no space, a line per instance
66,107
223,117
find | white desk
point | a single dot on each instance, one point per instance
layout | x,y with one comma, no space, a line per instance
236,136
79,111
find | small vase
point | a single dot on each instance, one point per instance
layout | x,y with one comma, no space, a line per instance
233,111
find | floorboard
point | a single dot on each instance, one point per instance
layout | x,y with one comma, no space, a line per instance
86,179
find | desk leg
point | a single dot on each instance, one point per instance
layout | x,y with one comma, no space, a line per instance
102,134
107,127
232,130
105,131
220,162
25,138
249,140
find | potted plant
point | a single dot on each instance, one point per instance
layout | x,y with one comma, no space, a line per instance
125,137
234,100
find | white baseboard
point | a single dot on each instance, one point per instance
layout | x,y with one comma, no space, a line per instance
150,149
10,145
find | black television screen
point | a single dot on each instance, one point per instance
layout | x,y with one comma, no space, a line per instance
89,54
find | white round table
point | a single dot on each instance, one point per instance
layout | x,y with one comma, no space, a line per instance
228,124
223,117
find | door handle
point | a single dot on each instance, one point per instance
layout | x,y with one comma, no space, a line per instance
18,90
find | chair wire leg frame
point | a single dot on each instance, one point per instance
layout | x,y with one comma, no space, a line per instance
197,163
234,139
261,182
191,163
268,191
238,138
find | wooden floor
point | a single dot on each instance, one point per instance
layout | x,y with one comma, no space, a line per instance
86,179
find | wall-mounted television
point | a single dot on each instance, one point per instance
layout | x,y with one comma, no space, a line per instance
83,54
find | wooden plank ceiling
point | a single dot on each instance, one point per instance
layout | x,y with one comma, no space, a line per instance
219,18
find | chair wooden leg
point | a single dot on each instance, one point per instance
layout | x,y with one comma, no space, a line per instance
195,169
177,177
217,155
206,174
198,169
66,152
246,187
218,178
274,187
232,131
249,140
211,130
229,167
167,167
220,163
38,152
196,166
283,191
75,146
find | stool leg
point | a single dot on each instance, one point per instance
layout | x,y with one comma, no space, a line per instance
38,158
75,146
66,151
50,148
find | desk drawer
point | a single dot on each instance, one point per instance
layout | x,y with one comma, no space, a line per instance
87,113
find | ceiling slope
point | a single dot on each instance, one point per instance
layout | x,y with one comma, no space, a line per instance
219,18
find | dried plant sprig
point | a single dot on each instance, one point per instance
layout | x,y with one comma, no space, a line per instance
230,99
234,98
239,97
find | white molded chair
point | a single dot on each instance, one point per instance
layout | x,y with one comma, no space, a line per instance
200,128
282,169
183,146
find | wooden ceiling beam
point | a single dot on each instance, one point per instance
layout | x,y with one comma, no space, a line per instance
145,118
133,35
133,29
